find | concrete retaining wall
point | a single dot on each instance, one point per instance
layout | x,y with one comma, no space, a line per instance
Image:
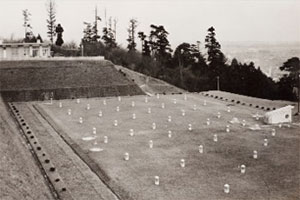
62,79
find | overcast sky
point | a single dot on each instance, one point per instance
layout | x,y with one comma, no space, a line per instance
185,20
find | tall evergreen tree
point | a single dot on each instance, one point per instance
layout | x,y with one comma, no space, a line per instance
191,66
215,55
94,29
189,54
145,44
160,47
289,82
159,43
109,38
26,24
51,10
87,32
131,35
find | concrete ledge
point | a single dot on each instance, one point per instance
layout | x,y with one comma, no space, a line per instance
55,58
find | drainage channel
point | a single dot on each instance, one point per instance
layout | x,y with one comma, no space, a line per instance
53,179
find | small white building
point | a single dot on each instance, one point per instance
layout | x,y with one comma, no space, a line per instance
15,51
281,115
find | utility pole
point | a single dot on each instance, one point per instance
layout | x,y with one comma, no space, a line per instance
96,23
298,113
82,50
180,66
218,83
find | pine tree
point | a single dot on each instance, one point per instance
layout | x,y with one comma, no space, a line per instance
51,20
94,32
87,32
94,29
108,37
289,82
159,43
189,54
190,62
145,44
215,56
131,35
27,25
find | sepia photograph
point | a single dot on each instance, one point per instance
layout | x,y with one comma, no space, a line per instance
149,99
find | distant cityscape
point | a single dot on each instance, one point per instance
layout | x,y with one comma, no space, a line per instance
268,56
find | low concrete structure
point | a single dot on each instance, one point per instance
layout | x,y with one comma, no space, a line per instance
281,115
19,51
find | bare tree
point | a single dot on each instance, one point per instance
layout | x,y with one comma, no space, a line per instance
51,10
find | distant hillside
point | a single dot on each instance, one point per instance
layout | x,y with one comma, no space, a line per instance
268,56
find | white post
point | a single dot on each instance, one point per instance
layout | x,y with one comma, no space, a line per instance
169,134
273,132
153,126
156,181
255,154
40,51
215,138
200,148
190,127
182,163
150,144
208,121
243,169
126,156
4,53
105,139
30,51
131,132
226,188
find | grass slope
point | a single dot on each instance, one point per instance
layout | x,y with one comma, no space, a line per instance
149,84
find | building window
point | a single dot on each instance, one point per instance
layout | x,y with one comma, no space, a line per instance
35,52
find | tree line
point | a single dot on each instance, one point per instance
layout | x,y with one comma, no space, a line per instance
185,67
188,68
53,28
